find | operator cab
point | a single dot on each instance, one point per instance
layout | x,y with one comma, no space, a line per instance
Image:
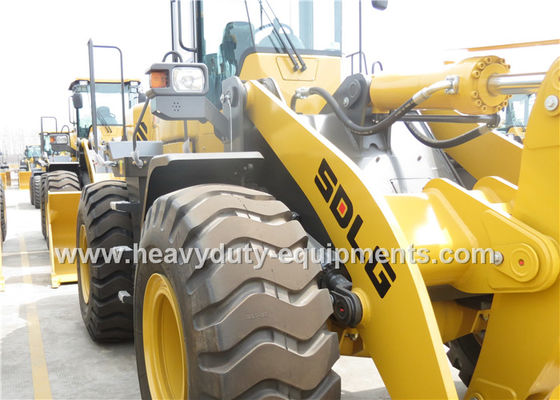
288,40
108,103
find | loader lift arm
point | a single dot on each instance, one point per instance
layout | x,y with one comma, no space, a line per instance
399,322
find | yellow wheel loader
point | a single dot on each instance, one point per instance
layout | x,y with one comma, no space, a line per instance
5,172
454,227
55,149
3,230
28,164
60,187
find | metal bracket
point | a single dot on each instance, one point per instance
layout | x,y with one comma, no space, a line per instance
126,206
347,307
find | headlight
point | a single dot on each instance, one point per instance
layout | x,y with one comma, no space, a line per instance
61,139
188,80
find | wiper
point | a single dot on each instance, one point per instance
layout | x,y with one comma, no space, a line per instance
104,123
275,25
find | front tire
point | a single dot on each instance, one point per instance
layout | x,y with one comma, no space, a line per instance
229,330
100,228
56,181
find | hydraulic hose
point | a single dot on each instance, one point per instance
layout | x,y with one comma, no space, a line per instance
445,144
418,98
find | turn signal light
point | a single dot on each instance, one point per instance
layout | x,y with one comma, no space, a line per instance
159,79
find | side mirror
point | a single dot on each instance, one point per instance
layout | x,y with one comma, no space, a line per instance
379,4
77,100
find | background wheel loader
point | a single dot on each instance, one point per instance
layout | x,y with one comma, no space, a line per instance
382,162
61,185
54,148
28,164
3,229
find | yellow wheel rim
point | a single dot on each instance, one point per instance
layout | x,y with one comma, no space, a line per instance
85,277
164,345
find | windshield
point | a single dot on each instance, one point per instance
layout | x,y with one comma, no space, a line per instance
312,27
516,114
34,151
108,103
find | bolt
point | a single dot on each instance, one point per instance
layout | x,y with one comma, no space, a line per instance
346,102
498,258
551,103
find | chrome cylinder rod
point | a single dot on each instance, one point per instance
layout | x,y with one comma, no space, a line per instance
515,83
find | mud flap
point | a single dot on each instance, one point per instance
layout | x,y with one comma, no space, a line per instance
23,179
61,219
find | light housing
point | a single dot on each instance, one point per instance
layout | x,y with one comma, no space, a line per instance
58,139
178,79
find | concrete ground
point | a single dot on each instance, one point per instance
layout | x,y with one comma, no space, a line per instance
45,352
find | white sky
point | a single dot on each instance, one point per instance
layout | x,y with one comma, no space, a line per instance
43,44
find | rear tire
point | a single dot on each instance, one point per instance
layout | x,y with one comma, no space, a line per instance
3,215
36,187
100,227
56,181
31,192
230,330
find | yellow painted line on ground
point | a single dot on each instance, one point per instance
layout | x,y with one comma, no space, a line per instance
39,371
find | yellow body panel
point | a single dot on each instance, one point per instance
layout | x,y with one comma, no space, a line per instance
406,307
62,212
170,148
172,133
110,133
323,71
169,131
23,179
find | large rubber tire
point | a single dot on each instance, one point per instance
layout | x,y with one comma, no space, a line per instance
463,354
3,214
31,192
36,187
56,181
100,227
42,191
229,331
